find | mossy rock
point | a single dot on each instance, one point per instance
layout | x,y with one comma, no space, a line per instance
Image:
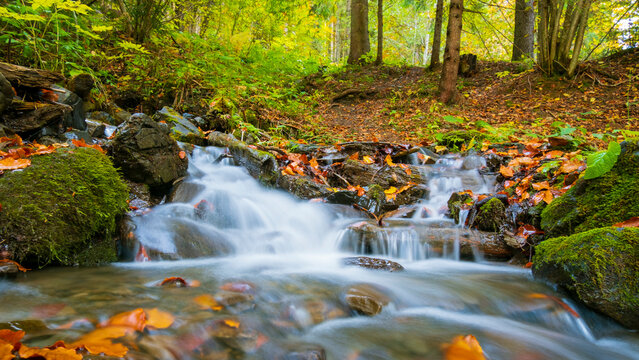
599,267
62,209
455,139
491,215
599,202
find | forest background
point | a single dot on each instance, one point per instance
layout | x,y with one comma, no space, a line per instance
240,57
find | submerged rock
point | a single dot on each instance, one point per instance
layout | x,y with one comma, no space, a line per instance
147,154
62,209
366,299
600,267
373,263
599,202
317,354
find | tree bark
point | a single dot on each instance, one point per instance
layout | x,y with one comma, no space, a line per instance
448,82
24,76
360,43
524,40
380,32
437,35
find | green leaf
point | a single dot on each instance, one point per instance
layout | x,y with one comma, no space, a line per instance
601,162
453,119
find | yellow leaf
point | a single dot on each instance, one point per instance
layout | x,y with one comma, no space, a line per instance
231,323
389,161
464,348
14,164
368,160
208,302
159,319
440,148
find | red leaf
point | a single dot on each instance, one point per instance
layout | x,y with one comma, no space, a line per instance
632,222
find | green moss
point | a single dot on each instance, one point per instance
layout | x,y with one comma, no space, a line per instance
455,139
600,266
596,203
491,215
62,209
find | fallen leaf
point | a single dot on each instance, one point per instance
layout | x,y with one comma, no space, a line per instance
6,351
11,337
570,166
527,230
464,348
632,222
389,161
232,323
99,341
506,171
556,300
135,319
391,193
368,160
544,185
182,154
159,319
14,164
20,267
208,302
354,156
82,143
59,353
440,148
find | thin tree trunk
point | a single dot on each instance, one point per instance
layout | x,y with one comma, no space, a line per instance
380,32
524,40
448,83
437,35
360,43
583,23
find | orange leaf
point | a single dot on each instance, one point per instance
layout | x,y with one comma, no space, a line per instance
389,161
5,261
570,166
538,197
59,353
526,161
10,336
554,154
632,222
313,163
406,169
544,185
464,348
506,171
6,351
208,302
509,183
548,196
182,154
556,300
135,319
99,341
354,156
368,160
159,319
14,164
232,323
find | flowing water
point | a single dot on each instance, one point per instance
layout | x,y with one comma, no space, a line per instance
276,264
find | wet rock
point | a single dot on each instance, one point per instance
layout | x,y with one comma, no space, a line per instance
75,118
5,131
373,263
118,114
79,135
194,242
185,191
598,267
598,202
473,162
366,299
8,270
491,216
103,117
81,84
6,94
147,154
261,165
458,202
303,187
181,128
62,209
317,354
96,129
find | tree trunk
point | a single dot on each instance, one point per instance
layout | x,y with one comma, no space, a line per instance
448,83
360,44
524,40
380,32
437,35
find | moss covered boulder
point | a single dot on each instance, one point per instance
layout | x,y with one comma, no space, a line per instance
62,209
491,215
599,202
600,267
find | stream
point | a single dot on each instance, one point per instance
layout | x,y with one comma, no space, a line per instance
276,264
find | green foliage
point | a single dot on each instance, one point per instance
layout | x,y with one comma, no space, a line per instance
62,208
603,161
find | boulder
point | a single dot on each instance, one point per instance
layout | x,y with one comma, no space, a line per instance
261,165
118,114
182,129
62,209
302,187
6,94
599,202
366,299
491,215
81,84
147,154
599,267
457,202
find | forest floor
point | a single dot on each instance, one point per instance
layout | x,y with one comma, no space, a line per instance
399,104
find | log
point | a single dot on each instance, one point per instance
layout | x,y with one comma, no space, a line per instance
352,92
24,117
20,76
